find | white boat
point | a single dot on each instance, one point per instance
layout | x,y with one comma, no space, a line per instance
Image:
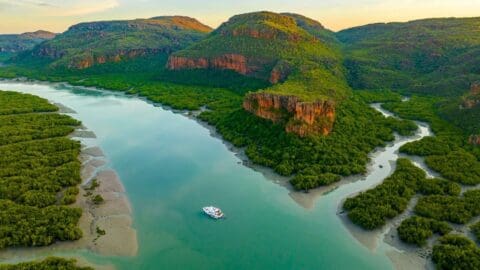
213,212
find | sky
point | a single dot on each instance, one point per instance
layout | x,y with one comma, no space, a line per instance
17,16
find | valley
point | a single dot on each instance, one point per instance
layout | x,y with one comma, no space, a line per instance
296,98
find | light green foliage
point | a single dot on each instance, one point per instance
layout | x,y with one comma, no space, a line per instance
37,162
51,263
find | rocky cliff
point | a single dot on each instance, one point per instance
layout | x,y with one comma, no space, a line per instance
301,118
235,62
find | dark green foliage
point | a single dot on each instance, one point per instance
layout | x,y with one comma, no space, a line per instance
454,252
403,127
427,146
416,230
459,166
371,209
476,230
454,209
37,163
100,232
438,187
50,263
378,96
214,78
97,199
306,182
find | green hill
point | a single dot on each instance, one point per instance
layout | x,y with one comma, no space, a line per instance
286,48
87,44
12,44
428,57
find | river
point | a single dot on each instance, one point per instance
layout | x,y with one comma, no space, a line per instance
172,166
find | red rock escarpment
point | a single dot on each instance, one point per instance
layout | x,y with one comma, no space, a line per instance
235,62
303,118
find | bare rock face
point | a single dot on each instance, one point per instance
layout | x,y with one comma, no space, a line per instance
302,118
235,62
474,139
473,98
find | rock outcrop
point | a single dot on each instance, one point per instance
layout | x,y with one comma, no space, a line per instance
474,139
235,62
301,118
473,98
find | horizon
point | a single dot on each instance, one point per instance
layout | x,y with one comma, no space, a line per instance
56,16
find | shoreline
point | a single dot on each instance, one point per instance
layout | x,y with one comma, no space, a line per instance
305,200
114,215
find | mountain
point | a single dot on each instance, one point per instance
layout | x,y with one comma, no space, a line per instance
11,44
87,44
436,57
297,55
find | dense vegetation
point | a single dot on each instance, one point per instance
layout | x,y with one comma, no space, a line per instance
456,252
292,44
430,57
39,171
87,44
434,61
374,207
416,230
51,263
316,160
454,209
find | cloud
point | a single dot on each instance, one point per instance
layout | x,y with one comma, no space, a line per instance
86,7
62,8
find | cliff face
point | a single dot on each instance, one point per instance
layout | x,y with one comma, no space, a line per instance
302,118
235,62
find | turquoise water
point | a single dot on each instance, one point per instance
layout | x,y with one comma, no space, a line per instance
171,167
